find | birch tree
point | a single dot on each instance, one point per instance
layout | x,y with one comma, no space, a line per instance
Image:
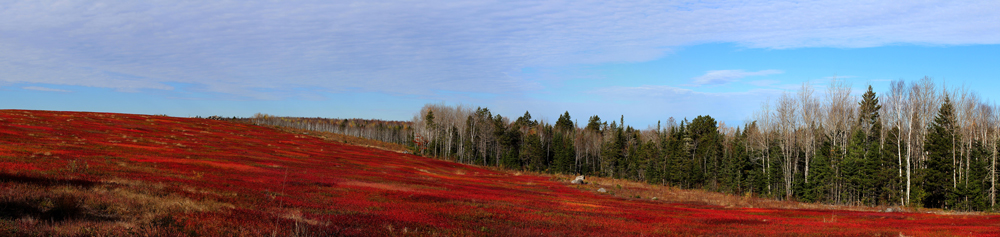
786,118
839,117
810,107
897,110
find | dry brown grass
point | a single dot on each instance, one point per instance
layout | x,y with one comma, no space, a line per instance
639,190
105,207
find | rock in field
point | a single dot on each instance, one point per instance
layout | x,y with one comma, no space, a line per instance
578,180
602,190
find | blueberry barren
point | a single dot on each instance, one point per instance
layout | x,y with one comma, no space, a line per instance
79,173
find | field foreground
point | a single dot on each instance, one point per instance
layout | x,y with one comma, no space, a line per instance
70,173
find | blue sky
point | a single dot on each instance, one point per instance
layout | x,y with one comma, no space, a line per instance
645,60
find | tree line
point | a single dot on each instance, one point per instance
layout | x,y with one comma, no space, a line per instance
916,145
399,132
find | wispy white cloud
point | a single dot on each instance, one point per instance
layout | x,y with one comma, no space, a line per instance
38,88
720,77
643,91
262,49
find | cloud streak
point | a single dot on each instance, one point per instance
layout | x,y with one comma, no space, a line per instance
38,88
721,77
264,50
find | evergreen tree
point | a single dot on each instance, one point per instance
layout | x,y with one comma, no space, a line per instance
562,142
853,168
891,174
532,155
594,124
707,150
563,153
672,152
652,167
938,180
820,177
611,151
744,165
971,192
775,181
871,164
510,143
729,164
431,126
565,123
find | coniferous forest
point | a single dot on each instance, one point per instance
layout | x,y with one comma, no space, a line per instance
918,144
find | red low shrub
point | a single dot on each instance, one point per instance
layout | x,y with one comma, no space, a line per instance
190,176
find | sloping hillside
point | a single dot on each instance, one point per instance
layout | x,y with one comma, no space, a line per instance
70,173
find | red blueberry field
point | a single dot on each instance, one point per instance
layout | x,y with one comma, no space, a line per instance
103,174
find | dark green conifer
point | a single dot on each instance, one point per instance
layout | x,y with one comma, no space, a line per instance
938,180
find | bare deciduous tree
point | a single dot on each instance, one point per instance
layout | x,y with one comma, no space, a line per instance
839,116
897,109
786,117
810,110
762,136
993,119
922,105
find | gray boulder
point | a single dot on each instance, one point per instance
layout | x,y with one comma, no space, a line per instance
602,190
578,180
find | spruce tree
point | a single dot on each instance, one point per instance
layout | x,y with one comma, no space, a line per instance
938,179
704,134
853,168
972,191
891,173
652,166
871,164
565,123
820,177
563,160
